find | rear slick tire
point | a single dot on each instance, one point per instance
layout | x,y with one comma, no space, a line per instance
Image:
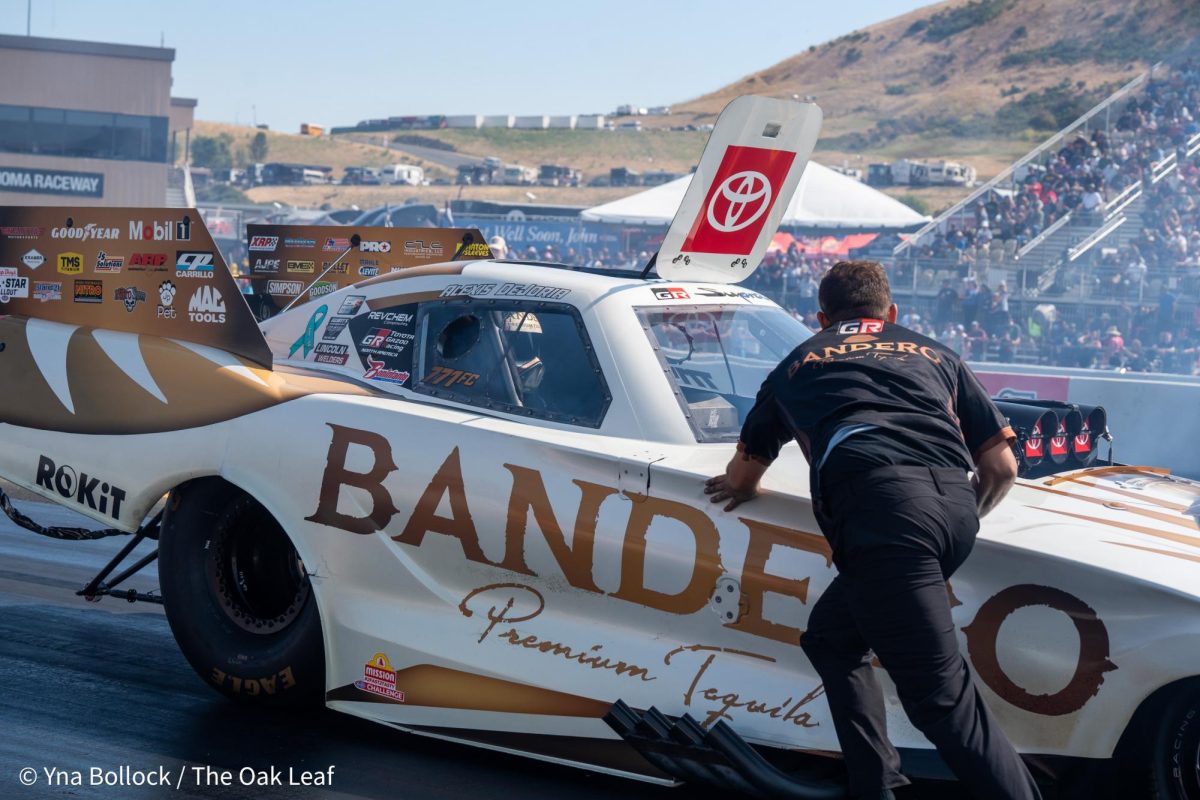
238,598
1175,762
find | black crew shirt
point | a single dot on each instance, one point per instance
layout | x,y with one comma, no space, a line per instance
924,405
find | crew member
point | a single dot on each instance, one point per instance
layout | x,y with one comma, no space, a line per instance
891,423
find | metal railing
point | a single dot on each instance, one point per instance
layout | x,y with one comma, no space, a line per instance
1103,106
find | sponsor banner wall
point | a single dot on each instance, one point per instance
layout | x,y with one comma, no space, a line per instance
286,259
138,270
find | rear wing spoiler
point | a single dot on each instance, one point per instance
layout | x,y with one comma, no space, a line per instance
150,271
296,263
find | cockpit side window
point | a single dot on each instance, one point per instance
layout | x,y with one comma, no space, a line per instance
519,357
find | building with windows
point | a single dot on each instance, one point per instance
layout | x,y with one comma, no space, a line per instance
89,123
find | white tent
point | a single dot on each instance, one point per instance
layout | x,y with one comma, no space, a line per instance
824,199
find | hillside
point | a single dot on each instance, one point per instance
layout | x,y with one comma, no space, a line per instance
981,81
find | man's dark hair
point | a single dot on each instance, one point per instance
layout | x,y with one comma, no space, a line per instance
855,289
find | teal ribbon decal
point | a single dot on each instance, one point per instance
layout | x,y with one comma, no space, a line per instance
310,332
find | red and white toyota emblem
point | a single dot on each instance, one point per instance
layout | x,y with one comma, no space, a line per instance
739,201
1058,442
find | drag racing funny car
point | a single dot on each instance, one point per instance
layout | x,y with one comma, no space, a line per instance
464,498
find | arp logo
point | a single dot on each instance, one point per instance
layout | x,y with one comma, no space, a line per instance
85,490
742,194
671,293
861,326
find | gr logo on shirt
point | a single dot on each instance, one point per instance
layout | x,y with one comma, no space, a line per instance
860,326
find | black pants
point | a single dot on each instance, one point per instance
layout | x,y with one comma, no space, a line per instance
898,533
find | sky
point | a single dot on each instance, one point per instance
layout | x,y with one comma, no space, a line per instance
335,63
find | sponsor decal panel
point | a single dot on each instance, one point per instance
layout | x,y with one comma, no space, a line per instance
147,262
336,243
378,371
21,231
380,679
417,248
670,293
166,301
473,250
266,244
47,290
84,233
194,264
33,259
337,354
265,266
290,242
207,306
352,303
160,230
285,288
70,263
300,266
109,264
12,286
83,489
130,296
743,191
334,328
336,267
88,291
374,246
322,288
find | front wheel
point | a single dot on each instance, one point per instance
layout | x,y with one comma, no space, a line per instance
238,597
1175,764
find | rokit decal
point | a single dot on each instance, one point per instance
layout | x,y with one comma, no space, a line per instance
325,353
85,490
166,301
334,328
380,679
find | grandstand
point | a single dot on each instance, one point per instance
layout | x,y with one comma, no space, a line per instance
1085,252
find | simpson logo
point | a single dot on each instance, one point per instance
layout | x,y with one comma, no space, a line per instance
89,291
130,296
374,247
70,263
861,326
165,231
207,306
332,243
84,233
11,287
380,679
334,328
88,491
267,265
337,354
285,288
300,266
418,249
193,264
47,290
147,260
166,301
105,263
264,243
671,293
33,259
299,243
20,232
352,303
322,288
376,371
739,200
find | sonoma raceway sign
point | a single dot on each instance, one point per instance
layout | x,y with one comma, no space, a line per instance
52,181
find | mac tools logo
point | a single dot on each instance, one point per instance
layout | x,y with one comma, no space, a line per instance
739,200
207,306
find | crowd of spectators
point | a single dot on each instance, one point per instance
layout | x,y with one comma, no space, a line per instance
1083,175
